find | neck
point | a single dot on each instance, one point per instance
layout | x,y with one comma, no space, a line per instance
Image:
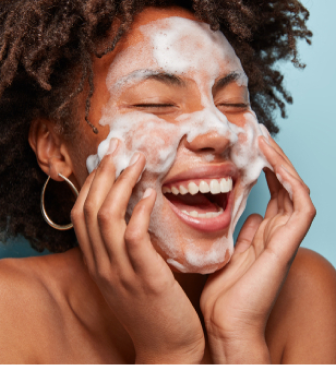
193,285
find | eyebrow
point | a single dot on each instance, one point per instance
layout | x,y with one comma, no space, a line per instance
228,79
164,77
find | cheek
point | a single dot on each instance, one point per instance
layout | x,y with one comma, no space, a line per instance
244,144
156,139
237,119
246,153
243,139
249,123
83,144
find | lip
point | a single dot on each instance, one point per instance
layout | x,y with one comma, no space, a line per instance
207,172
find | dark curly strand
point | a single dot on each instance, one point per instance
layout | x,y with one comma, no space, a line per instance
43,43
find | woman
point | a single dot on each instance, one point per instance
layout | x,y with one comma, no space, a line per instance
121,295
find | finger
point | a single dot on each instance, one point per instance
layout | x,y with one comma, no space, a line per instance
279,196
99,189
285,205
104,177
144,258
281,200
279,150
111,215
296,227
78,220
247,232
272,142
274,187
120,195
288,204
299,195
272,183
275,158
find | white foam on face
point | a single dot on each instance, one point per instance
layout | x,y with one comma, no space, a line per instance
209,157
185,48
177,265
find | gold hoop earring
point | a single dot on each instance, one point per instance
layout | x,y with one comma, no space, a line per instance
43,210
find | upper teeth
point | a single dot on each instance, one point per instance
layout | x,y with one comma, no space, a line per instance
215,187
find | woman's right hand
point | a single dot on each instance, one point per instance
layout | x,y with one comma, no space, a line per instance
136,282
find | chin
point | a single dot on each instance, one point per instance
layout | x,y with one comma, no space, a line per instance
191,229
195,255
205,268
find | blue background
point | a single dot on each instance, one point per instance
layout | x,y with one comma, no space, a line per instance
307,136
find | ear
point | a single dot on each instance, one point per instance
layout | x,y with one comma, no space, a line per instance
51,152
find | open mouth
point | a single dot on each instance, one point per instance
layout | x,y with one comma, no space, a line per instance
202,203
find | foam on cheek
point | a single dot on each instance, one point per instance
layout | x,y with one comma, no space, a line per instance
179,46
140,132
250,162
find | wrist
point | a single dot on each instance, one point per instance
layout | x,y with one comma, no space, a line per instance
239,348
174,356
168,358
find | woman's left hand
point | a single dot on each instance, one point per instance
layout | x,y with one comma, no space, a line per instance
238,299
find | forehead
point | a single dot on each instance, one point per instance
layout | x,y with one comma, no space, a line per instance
173,41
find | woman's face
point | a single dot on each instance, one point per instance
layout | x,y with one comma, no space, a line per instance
176,91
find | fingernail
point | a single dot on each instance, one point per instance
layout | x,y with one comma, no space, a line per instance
113,146
134,159
147,193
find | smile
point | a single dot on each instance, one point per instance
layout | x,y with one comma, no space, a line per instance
202,203
201,195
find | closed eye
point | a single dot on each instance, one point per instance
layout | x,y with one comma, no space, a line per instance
239,105
153,105
160,109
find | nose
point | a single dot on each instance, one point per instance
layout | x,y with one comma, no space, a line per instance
211,142
216,134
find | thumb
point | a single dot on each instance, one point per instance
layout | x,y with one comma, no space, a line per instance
247,232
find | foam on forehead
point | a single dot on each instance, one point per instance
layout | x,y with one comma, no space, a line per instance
179,44
188,49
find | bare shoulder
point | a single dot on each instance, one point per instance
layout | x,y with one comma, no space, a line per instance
302,325
37,278
30,303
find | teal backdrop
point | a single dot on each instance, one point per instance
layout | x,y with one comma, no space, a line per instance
307,136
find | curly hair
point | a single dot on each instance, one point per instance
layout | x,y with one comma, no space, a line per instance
43,43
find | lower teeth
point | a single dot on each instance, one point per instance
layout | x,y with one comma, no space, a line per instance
206,215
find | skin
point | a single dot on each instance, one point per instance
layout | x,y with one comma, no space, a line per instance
159,111
114,298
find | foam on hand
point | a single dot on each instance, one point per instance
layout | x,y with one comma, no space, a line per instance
183,47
